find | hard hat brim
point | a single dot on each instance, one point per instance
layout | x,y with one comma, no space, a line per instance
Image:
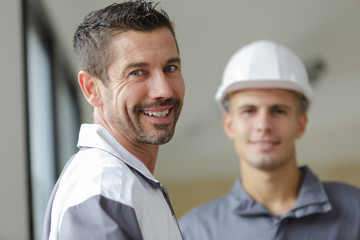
287,84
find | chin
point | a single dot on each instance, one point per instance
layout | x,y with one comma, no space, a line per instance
265,163
158,138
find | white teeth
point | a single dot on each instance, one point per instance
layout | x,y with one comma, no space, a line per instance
264,143
157,114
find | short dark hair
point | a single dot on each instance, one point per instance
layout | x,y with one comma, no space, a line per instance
304,105
93,38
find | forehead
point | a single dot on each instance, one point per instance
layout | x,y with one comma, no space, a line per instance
264,97
137,46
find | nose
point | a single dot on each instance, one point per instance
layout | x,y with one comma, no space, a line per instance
160,87
263,122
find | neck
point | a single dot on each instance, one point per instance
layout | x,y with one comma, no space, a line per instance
145,153
277,189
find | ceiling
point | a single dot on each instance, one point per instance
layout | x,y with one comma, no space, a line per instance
209,32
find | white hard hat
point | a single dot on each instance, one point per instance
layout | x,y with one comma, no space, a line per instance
263,64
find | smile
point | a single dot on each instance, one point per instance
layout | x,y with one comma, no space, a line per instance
159,114
265,145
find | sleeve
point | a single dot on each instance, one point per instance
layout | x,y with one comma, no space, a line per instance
100,218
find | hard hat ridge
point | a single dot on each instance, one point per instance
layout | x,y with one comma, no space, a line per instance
263,64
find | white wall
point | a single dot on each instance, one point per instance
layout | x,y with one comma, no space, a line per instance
13,200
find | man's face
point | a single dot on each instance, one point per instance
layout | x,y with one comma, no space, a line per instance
144,95
264,124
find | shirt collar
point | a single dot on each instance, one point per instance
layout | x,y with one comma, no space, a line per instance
312,198
96,136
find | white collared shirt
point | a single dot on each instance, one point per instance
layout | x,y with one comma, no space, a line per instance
105,192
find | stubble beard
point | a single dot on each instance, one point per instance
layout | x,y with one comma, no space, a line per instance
162,134
268,162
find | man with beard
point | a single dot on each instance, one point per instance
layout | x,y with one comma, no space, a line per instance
264,97
131,75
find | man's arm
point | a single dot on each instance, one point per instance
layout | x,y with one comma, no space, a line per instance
100,218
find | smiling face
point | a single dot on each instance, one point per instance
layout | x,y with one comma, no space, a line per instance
264,124
142,99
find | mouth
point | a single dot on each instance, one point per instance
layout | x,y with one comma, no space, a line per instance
261,143
265,145
159,112
156,114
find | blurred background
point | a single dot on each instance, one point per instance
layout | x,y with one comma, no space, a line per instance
42,107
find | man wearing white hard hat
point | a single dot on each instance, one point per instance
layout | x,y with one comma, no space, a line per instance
264,97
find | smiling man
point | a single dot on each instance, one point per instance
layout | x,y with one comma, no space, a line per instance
131,75
264,98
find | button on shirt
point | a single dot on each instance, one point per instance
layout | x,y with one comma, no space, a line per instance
104,192
322,211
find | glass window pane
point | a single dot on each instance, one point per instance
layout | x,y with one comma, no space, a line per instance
42,148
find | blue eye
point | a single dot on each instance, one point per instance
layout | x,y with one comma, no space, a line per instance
170,68
137,73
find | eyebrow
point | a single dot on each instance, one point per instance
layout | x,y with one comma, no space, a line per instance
281,106
144,64
136,65
271,106
174,60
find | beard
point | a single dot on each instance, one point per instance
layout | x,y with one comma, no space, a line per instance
162,135
270,162
136,132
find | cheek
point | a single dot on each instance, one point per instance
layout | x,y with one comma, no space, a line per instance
129,95
178,87
241,130
290,133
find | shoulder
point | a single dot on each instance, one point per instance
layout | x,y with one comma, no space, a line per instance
93,172
335,188
343,195
213,213
209,208
204,217
93,183
90,166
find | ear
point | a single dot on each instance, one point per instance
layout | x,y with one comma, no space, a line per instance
227,122
302,122
90,88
